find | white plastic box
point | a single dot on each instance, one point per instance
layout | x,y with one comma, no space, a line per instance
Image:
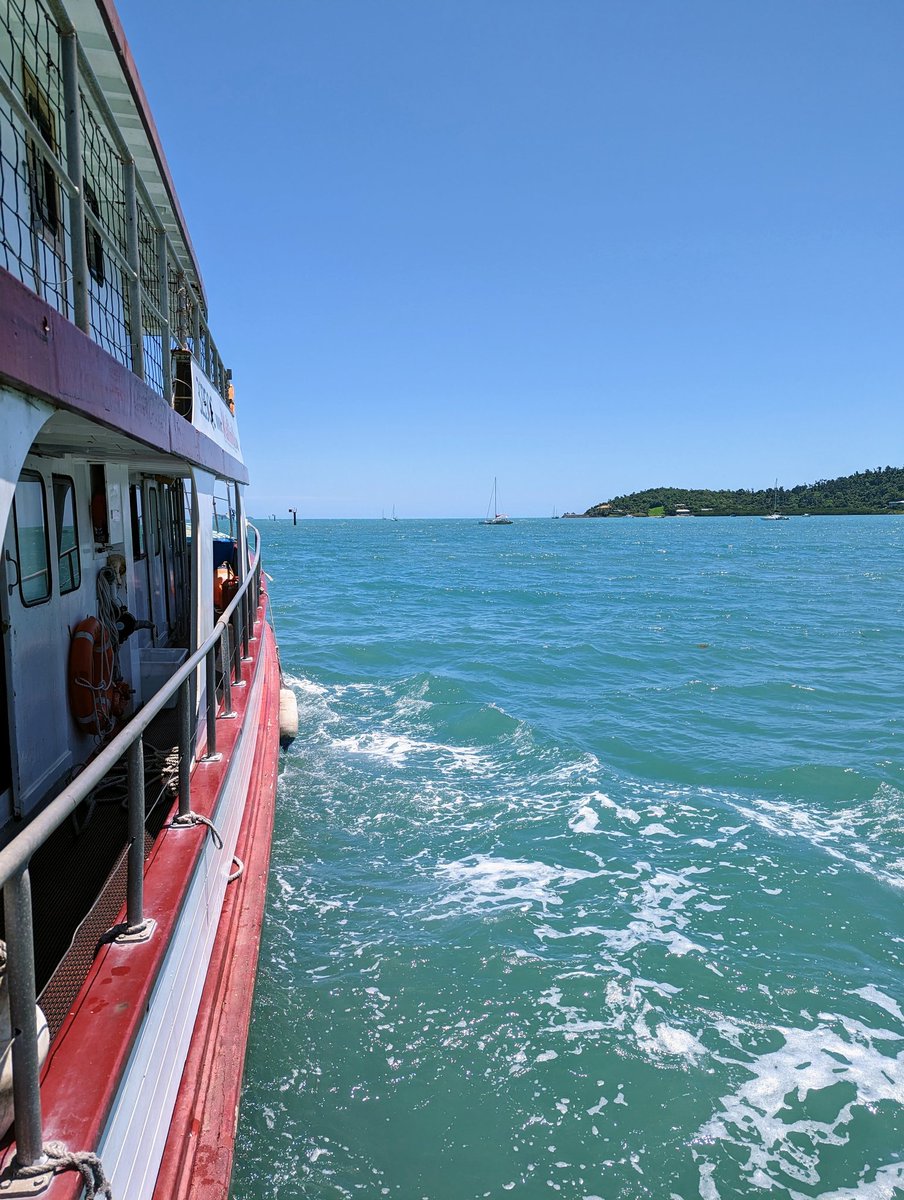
159,664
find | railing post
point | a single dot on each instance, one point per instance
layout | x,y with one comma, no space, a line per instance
196,328
72,99
181,313
237,645
136,325
185,748
246,625
135,893
23,1018
166,336
243,607
210,664
226,662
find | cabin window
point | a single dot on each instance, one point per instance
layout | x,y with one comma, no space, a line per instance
45,191
93,242
69,566
223,508
138,547
153,522
100,519
32,548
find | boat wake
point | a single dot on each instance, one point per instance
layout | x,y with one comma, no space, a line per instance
659,988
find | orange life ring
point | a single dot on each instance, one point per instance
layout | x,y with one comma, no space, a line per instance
91,686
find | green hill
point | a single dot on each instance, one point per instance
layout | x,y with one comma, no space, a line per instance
878,491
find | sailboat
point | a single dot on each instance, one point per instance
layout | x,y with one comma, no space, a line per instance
775,515
497,517
394,517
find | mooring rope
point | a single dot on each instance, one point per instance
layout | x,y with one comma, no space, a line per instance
57,1158
193,818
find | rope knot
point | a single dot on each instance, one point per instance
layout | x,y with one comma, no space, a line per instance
57,1158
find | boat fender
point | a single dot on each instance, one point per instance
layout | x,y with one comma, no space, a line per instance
288,717
91,686
6,1041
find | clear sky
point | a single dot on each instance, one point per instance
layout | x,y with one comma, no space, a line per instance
585,245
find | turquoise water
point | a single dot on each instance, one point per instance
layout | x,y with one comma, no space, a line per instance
589,864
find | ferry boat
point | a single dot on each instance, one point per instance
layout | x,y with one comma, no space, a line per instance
140,683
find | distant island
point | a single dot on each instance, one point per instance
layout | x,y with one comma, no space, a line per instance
864,492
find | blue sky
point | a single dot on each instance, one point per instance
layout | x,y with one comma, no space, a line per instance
585,245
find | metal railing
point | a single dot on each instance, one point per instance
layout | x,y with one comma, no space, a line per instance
78,224
230,638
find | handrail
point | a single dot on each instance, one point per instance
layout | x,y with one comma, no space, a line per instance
16,856
17,853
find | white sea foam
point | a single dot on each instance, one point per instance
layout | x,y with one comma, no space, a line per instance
396,748
855,836
658,916
887,1183
585,820
623,814
626,1010
306,686
659,913
657,830
486,882
586,767
772,1117
873,994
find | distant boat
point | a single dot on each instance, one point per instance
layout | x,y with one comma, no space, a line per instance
394,517
497,517
555,514
775,515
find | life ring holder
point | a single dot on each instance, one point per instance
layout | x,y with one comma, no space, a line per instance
91,684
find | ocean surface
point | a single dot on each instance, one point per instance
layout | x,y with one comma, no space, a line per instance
588,870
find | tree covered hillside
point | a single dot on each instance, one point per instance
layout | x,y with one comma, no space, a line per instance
863,492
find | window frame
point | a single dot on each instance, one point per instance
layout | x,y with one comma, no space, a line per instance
153,523
136,515
44,187
74,550
33,477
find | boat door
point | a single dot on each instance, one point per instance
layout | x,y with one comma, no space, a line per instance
35,654
156,562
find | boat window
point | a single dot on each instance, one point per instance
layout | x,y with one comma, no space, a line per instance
100,519
138,549
69,566
32,550
45,191
223,508
154,522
